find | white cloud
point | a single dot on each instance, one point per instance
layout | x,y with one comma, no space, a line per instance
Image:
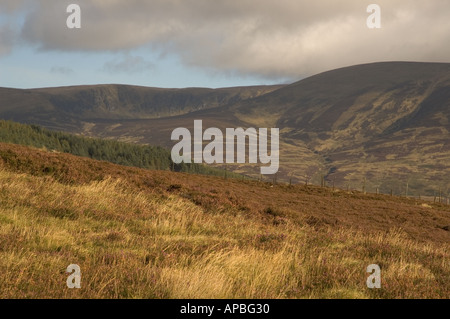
284,38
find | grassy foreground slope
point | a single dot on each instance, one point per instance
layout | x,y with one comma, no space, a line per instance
158,234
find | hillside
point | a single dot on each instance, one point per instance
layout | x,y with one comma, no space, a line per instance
381,121
70,108
381,126
158,234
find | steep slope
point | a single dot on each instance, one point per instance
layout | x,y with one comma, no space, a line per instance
333,100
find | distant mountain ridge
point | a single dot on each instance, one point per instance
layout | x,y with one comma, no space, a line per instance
74,104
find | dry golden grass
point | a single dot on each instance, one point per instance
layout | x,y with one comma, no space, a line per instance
134,243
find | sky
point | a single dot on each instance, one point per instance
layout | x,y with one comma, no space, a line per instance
206,43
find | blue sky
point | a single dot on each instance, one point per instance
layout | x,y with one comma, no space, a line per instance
197,43
26,67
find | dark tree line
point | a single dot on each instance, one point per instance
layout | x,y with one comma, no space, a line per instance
128,154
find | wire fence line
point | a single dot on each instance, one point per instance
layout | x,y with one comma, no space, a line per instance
439,196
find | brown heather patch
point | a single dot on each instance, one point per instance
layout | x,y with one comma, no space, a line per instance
158,234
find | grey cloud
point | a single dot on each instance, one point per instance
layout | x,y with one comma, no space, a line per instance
10,6
129,64
284,38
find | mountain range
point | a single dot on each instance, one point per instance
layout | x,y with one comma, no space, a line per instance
376,127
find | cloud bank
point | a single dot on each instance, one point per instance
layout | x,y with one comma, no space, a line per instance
271,39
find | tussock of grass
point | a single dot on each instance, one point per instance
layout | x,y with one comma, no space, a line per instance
131,243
